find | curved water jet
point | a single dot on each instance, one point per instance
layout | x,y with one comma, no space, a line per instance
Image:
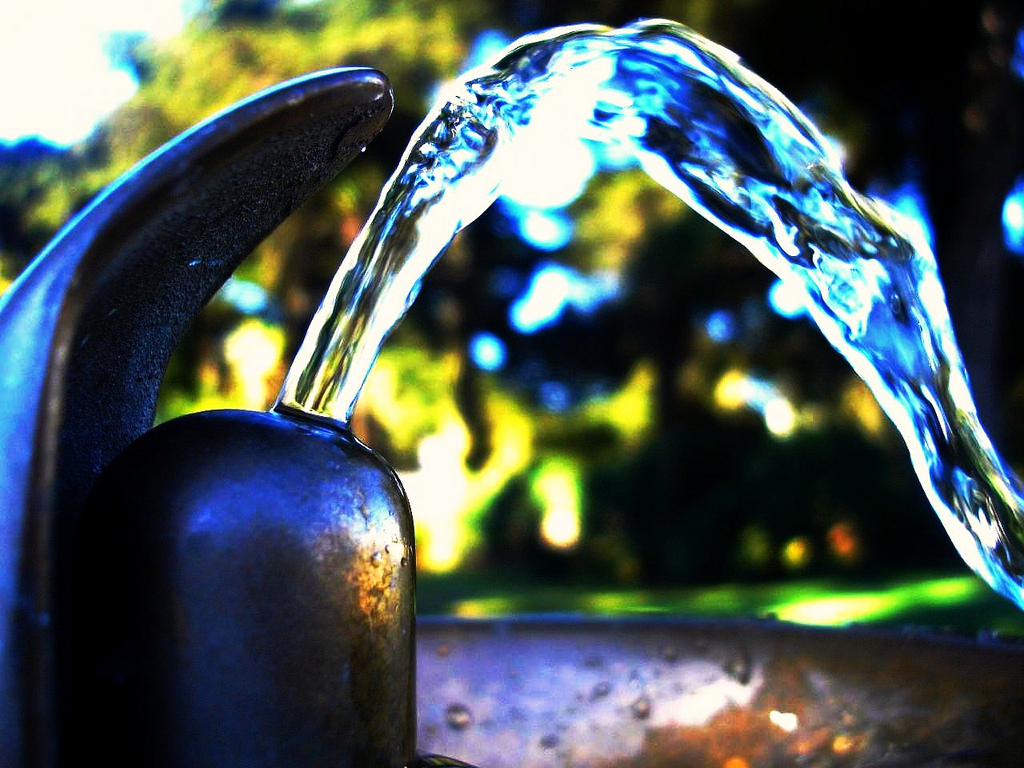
740,154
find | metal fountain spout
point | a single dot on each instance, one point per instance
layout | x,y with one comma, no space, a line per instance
153,650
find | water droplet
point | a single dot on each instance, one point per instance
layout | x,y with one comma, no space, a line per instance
443,650
600,690
404,561
549,741
641,708
458,717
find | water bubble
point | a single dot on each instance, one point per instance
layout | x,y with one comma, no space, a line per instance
549,741
458,717
600,690
442,650
641,708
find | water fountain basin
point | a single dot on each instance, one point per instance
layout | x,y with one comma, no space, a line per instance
671,691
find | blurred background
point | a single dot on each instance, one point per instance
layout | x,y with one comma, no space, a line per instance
598,403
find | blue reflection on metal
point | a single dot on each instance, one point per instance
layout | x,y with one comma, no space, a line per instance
720,326
1013,218
487,351
787,299
552,288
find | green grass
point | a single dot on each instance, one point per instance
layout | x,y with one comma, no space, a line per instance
956,602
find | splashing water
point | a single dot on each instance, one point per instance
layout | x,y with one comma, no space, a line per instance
739,153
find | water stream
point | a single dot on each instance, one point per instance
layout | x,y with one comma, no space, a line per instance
740,154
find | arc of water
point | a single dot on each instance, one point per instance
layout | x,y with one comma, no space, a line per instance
739,153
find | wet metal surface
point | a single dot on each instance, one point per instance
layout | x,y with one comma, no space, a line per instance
245,597
676,693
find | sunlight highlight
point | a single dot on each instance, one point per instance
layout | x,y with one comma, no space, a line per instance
850,607
553,289
787,721
736,390
60,80
557,488
437,491
253,351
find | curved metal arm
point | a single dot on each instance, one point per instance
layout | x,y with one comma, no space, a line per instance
87,331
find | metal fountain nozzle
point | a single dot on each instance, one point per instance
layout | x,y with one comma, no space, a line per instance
176,602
